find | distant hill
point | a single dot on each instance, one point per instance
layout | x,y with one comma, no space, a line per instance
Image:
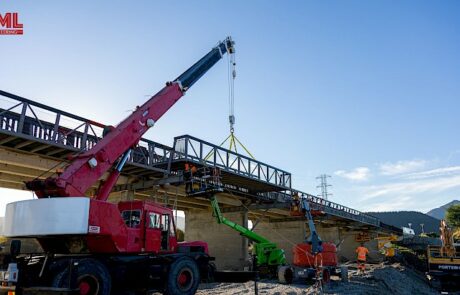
440,213
403,218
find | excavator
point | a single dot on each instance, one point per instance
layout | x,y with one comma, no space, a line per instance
93,246
444,261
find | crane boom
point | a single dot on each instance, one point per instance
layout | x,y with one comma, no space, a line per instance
86,168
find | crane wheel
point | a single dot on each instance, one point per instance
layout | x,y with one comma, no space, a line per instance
183,277
89,276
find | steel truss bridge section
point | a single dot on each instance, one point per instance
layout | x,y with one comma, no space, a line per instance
236,169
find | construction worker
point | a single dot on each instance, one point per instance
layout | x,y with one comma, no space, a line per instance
193,169
362,253
295,204
189,171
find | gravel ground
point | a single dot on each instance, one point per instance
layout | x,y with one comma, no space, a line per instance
379,279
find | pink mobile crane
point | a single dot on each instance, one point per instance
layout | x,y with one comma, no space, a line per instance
92,246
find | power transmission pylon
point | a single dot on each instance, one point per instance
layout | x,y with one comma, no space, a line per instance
324,185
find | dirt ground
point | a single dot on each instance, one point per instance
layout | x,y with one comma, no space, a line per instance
379,279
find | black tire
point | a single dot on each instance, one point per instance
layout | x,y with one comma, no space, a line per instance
211,273
89,276
183,277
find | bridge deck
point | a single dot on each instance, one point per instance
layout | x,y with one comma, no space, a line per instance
28,126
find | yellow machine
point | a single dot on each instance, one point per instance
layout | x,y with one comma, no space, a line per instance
386,246
444,260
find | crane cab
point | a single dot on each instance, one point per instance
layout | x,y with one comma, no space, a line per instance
150,227
84,225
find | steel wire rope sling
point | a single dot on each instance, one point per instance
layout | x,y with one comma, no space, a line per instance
231,138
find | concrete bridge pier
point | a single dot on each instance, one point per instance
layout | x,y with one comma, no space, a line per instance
229,248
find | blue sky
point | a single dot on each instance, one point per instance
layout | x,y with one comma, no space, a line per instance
366,91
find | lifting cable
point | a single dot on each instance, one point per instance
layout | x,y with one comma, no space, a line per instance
232,140
231,89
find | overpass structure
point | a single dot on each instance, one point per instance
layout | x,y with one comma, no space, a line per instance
37,140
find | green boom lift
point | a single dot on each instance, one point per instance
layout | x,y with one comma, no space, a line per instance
267,255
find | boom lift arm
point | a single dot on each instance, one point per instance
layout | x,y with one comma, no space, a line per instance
314,238
86,168
266,252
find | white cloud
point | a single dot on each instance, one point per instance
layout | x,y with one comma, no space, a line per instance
357,174
419,190
444,171
401,167
435,185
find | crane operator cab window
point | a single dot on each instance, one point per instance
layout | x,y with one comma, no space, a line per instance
132,218
154,220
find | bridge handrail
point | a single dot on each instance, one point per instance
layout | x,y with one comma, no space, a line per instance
25,117
320,204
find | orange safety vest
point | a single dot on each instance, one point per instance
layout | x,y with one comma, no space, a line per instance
362,252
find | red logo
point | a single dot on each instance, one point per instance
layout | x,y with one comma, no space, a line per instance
9,24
